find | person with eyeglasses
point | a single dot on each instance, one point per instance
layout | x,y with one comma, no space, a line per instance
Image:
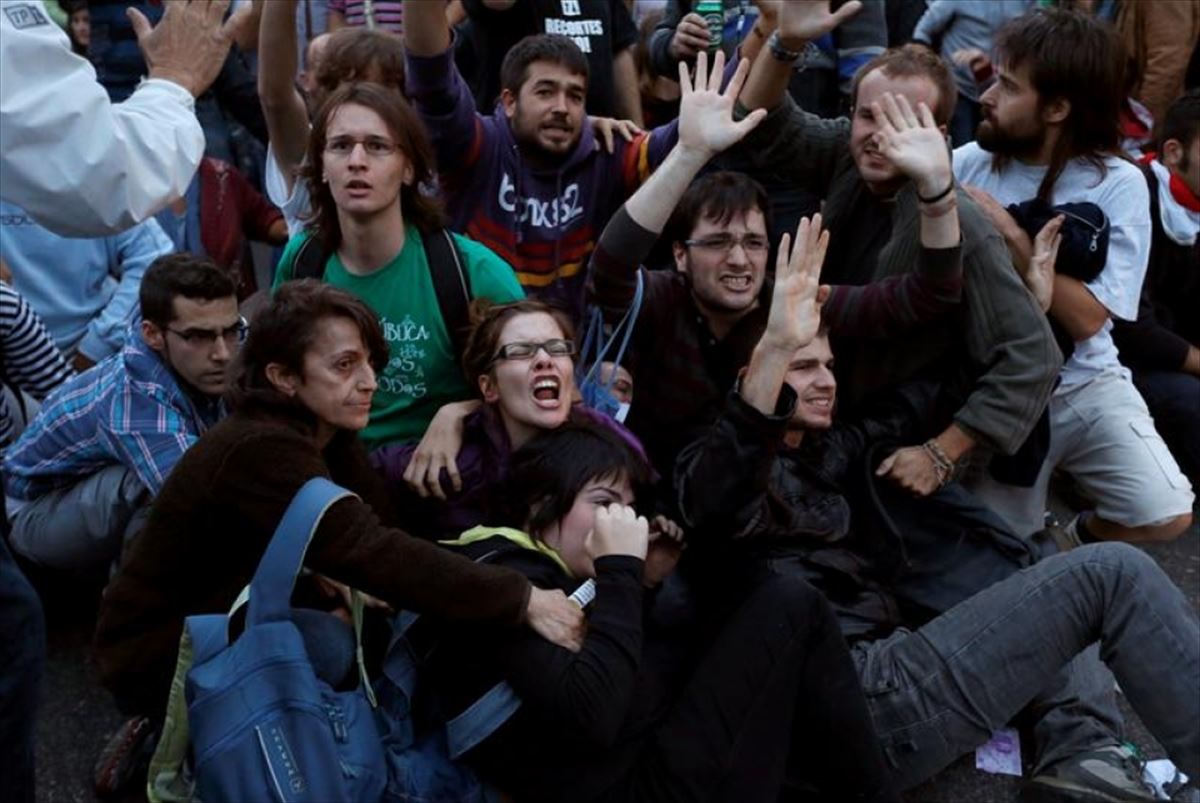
699,322
519,359
367,160
80,478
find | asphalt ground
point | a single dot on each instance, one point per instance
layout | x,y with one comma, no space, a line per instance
77,716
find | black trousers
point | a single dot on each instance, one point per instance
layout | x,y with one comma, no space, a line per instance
772,711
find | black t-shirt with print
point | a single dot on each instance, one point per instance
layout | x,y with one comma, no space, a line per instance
601,28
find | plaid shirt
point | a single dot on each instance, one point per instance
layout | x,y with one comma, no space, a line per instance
129,409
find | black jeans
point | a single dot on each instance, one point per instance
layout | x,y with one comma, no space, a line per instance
773,711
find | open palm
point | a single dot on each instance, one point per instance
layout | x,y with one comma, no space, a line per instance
706,123
812,19
911,140
795,315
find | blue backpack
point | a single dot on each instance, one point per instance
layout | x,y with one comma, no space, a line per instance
423,748
262,725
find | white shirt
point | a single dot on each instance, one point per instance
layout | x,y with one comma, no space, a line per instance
77,163
295,205
1123,195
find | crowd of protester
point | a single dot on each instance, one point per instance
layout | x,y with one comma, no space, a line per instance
782,320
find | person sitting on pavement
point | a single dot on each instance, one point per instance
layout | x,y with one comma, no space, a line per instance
79,478
757,701
767,491
301,391
1050,132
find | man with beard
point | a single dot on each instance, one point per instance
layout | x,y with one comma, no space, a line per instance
530,180
1050,131
996,356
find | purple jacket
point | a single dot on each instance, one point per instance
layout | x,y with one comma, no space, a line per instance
543,222
483,463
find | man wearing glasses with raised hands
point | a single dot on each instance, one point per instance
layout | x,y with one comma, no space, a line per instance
80,478
699,323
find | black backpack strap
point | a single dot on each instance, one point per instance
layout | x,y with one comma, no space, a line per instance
310,259
451,284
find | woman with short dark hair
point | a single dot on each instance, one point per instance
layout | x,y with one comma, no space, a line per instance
303,387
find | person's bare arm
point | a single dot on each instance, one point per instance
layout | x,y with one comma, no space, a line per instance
283,107
627,98
425,29
1076,309
245,23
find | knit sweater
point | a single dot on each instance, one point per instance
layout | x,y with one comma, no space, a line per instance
213,519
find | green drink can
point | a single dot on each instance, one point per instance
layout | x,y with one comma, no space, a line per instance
713,12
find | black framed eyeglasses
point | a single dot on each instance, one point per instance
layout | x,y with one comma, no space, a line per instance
232,335
555,347
724,243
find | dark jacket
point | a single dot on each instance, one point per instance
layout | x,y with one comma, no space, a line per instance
216,513
584,715
881,557
996,351
742,493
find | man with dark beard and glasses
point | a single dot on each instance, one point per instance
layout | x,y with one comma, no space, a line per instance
1050,132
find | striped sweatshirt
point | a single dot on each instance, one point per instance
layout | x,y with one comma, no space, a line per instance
29,360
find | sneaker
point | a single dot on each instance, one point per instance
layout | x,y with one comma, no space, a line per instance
1183,793
1108,775
125,758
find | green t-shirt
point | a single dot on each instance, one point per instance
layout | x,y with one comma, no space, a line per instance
422,372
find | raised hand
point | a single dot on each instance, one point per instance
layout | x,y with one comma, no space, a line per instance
913,143
706,124
1039,278
796,300
802,21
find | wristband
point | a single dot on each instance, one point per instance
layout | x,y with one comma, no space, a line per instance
949,189
781,53
940,209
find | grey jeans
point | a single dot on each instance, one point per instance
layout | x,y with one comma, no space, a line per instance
81,527
940,691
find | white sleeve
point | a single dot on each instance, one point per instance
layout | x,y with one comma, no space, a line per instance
77,163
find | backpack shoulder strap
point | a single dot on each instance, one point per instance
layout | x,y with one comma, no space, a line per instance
451,284
310,259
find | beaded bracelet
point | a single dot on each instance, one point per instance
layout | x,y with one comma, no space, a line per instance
942,464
